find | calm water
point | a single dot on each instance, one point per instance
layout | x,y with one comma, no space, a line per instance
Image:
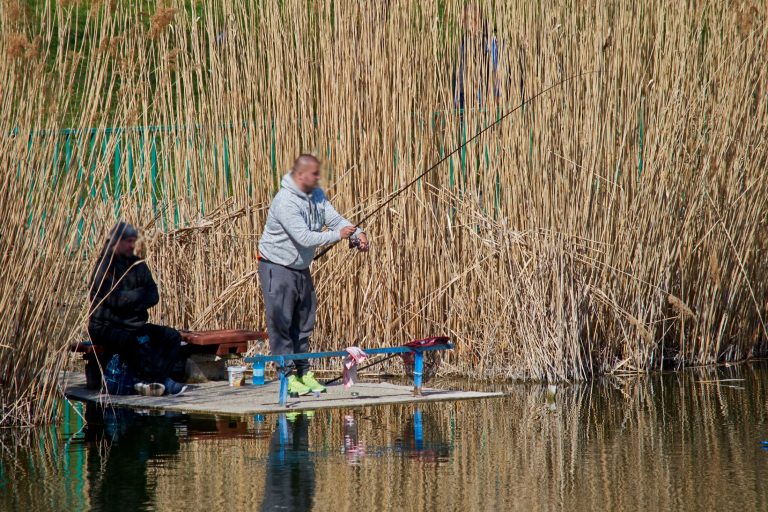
685,441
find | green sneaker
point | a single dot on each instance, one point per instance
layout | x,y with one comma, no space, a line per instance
296,386
309,380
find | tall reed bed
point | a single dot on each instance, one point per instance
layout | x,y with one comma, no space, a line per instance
614,224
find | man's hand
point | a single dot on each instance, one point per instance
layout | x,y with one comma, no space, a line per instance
346,232
363,245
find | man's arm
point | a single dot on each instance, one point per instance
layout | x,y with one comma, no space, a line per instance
148,294
109,290
106,288
334,220
100,280
293,224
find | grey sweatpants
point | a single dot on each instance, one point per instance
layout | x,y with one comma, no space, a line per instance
291,304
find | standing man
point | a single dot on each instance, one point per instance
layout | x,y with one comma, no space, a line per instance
293,231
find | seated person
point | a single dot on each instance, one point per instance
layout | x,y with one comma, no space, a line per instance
122,290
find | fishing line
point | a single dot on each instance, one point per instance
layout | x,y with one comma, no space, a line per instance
394,195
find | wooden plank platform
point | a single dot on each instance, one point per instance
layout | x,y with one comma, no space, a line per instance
219,398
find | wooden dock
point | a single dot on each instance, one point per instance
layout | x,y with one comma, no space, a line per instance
219,398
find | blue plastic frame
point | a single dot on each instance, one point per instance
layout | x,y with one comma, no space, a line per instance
260,361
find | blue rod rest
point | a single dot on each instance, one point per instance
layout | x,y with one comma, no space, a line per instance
260,361
283,381
342,353
418,368
418,430
282,425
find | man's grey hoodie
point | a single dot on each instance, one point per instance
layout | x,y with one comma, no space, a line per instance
294,226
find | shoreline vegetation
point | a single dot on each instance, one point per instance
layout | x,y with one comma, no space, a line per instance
615,224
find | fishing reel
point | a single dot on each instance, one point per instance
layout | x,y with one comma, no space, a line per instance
354,243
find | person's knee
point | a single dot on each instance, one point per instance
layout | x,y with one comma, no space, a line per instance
281,322
164,333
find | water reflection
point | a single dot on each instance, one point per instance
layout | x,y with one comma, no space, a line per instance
423,439
290,475
688,440
290,482
121,443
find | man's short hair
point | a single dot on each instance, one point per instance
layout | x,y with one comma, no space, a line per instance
304,159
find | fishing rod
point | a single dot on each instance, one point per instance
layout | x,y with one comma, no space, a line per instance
433,167
394,195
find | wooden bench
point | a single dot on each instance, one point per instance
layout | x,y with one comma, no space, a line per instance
223,341
219,342
260,361
216,428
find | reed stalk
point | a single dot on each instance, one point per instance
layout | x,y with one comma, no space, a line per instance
615,224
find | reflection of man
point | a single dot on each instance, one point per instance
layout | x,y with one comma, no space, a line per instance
293,231
478,62
122,291
290,483
117,471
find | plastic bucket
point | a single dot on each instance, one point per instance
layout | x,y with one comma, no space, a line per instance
235,375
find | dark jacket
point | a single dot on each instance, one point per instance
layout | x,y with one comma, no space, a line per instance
122,290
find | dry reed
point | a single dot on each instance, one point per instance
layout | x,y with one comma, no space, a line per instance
549,249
